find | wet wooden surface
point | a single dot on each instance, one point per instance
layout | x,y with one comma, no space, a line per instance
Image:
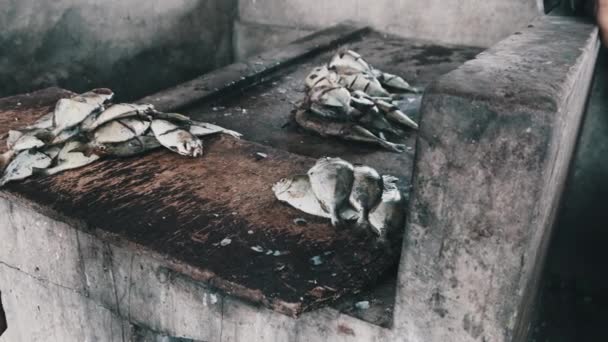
183,208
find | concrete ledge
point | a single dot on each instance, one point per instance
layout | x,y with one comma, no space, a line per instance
250,39
495,144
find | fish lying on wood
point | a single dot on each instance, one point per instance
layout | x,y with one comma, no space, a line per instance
374,202
85,128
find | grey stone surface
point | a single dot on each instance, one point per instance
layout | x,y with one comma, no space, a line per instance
133,46
496,141
468,22
251,39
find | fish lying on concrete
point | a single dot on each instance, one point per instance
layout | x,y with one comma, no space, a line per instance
350,101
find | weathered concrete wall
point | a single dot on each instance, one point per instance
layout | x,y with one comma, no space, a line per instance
133,46
470,22
494,149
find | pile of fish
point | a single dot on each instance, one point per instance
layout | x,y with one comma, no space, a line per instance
350,99
84,128
342,192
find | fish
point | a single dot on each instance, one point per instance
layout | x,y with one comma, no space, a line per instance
394,82
120,130
72,112
344,130
69,157
129,148
375,121
25,141
24,164
66,135
114,112
348,62
201,129
176,138
320,77
389,215
365,83
394,114
297,192
331,180
366,192
335,97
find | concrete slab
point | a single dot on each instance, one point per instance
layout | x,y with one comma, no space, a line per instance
495,145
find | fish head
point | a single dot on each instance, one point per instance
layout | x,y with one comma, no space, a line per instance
318,75
282,186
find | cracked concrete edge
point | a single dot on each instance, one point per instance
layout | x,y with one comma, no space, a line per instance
495,144
115,284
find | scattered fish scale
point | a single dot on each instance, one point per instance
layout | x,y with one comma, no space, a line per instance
84,128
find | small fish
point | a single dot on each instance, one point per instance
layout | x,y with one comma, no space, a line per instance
68,158
26,142
201,129
343,130
394,82
297,192
23,165
176,138
13,137
394,114
375,121
129,148
66,135
71,112
320,77
334,97
366,192
120,130
348,62
117,111
331,180
389,215
365,83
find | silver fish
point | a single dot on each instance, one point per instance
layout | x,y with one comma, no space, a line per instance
297,192
348,62
389,215
320,77
335,96
331,180
394,114
366,192
201,129
173,117
120,130
5,159
25,142
129,148
344,130
71,112
66,135
68,158
394,82
365,83
23,165
176,138
117,111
